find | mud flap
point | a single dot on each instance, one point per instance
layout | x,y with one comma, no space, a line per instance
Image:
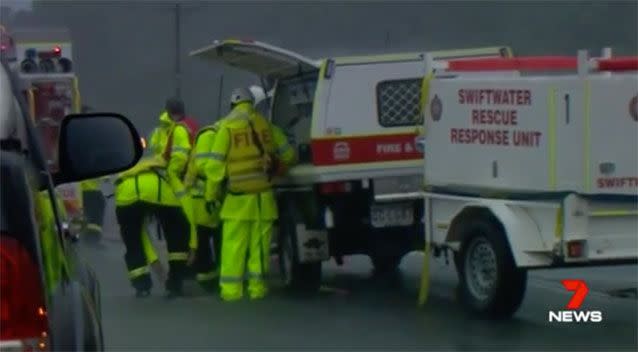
312,245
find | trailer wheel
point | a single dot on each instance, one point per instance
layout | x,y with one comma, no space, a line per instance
297,277
491,285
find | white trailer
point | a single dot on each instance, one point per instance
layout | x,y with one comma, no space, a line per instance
526,170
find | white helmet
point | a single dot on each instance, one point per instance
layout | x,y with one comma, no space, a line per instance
240,95
258,93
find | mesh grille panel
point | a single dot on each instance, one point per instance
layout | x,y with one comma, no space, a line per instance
398,102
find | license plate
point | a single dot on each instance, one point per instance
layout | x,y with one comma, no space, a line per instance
388,215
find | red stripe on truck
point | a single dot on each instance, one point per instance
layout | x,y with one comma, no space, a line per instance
367,149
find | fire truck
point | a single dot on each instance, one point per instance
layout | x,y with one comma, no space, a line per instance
43,61
530,163
353,122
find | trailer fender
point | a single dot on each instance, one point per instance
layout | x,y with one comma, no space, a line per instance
523,234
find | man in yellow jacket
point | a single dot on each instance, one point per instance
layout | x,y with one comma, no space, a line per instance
246,154
205,216
141,192
165,197
159,137
93,202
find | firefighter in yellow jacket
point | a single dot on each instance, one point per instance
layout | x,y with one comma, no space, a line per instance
93,202
154,187
205,216
246,154
159,137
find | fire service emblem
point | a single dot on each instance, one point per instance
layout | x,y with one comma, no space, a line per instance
436,108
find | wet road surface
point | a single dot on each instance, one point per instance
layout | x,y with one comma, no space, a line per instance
360,312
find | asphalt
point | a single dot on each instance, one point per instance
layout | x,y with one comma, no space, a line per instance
357,311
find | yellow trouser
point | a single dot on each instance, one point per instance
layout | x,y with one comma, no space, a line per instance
238,237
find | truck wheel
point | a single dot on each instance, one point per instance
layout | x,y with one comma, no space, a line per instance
386,264
491,285
297,277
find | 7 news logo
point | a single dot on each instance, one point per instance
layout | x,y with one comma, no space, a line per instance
573,314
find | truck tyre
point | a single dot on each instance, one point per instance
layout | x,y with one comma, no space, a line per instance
297,277
491,286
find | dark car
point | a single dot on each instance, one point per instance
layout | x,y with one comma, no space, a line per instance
50,298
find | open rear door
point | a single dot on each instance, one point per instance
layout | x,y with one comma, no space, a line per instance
257,57
472,53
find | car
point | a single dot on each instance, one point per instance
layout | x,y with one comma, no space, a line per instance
50,298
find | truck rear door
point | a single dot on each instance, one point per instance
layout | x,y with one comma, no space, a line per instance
259,58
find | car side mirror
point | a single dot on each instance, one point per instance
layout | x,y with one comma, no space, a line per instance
96,144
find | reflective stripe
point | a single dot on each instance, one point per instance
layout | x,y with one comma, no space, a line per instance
244,177
179,150
94,227
230,279
258,276
138,272
180,194
211,155
177,256
207,276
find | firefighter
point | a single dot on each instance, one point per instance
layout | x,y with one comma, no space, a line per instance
93,203
246,154
159,137
155,188
142,192
205,217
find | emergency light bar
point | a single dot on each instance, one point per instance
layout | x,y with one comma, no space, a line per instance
539,63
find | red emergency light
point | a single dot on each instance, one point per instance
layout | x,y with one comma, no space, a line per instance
540,63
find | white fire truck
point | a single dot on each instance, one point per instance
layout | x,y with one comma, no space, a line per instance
526,170
353,121
43,60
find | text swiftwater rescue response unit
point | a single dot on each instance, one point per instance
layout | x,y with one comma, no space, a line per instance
525,172
353,122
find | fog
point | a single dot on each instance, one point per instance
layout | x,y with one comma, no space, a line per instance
124,51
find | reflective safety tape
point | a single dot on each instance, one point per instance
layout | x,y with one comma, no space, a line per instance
230,279
248,176
132,274
94,227
207,276
177,256
182,193
179,150
256,276
211,155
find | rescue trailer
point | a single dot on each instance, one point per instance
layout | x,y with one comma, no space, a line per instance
43,61
353,122
526,170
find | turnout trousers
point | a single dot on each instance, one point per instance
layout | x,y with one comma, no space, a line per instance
239,238
207,257
175,226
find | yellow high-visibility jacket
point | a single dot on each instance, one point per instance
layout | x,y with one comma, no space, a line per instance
248,206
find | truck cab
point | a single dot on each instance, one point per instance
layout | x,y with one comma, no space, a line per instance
44,65
353,122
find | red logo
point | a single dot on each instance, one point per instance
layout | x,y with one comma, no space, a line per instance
633,108
580,292
436,108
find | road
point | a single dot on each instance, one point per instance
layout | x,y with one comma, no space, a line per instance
357,311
